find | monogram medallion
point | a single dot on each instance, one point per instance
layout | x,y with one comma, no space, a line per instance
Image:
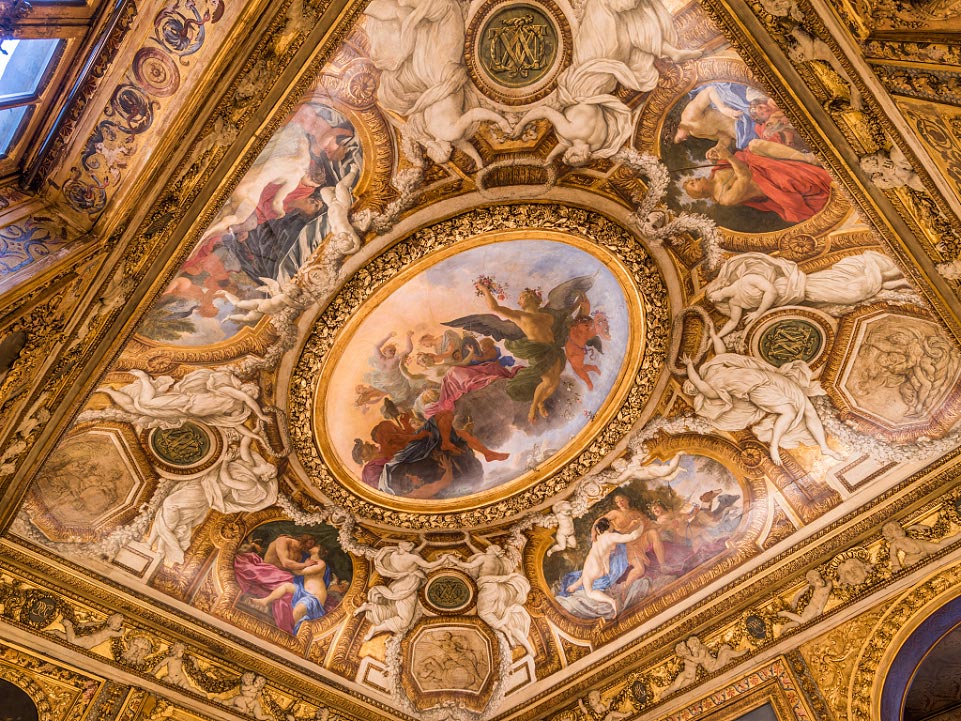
518,45
449,592
516,50
790,339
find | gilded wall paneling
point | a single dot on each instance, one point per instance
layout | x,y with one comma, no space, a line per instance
151,656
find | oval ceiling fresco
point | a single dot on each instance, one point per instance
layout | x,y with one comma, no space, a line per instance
477,369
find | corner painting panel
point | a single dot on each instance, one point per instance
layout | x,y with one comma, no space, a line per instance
644,536
275,218
723,133
290,574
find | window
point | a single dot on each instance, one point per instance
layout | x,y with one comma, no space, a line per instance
25,65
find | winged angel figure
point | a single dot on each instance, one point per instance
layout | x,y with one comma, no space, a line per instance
541,334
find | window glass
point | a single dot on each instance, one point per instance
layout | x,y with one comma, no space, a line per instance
23,67
10,120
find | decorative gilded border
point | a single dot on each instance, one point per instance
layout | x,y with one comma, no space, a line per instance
585,225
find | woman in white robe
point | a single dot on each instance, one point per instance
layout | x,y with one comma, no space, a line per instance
750,284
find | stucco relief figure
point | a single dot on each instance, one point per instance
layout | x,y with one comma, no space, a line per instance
750,284
564,537
90,636
891,170
633,32
339,199
735,392
501,592
173,667
394,608
694,653
247,699
278,298
688,673
590,122
917,360
214,396
640,468
905,551
242,481
820,594
617,43
419,49
597,709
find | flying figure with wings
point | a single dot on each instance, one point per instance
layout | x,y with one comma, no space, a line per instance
537,333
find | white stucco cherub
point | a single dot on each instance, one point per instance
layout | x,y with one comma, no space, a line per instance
278,297
247,699
173,664
640,469
564,537
87,637
597,709
906,551
821,592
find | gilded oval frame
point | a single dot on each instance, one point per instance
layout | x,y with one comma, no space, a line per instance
644,290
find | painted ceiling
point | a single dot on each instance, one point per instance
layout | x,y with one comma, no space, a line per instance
448,361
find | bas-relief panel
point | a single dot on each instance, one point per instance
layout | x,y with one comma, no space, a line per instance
423,399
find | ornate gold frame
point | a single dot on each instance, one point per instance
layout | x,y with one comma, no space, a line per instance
635,269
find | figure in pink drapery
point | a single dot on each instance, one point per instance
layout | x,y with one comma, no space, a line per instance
258,578
795,190
458,381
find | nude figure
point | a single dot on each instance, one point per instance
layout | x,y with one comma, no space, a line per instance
339,200
625,519
174,664
283,551
313,573
597,709
914,549
564,537
278,297
819,599
640,469
112,628
707,116
537,324
598,561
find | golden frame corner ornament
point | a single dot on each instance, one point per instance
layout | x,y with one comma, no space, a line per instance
635,271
